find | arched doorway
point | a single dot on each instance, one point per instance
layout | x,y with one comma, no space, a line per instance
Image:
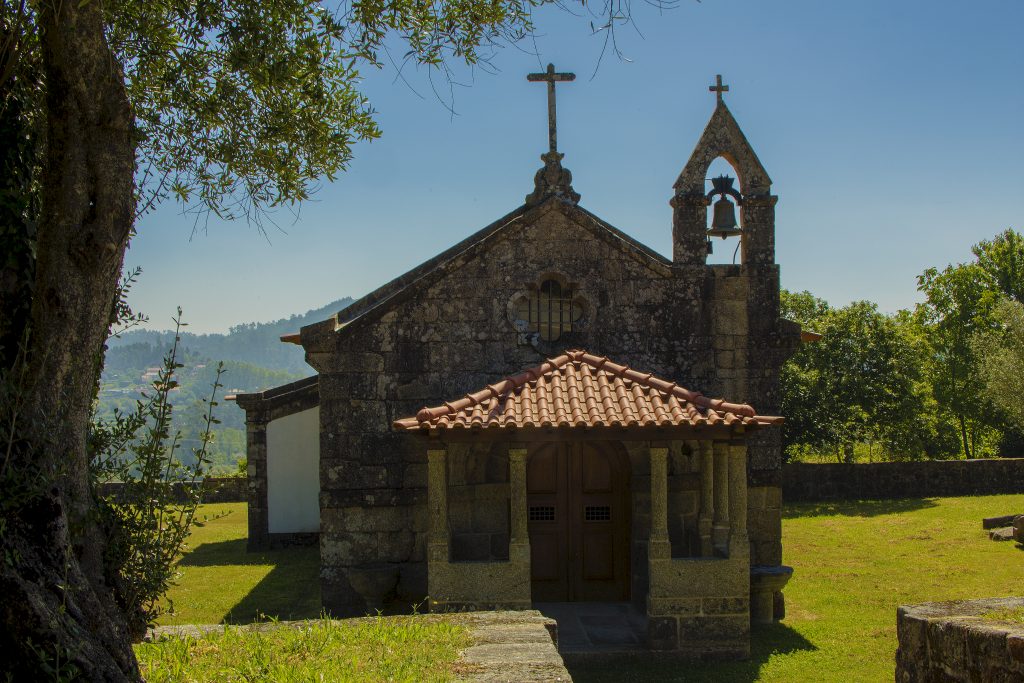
578,520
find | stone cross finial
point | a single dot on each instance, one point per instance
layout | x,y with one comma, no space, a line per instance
551,78
718,88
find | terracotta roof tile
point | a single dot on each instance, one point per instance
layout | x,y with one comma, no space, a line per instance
579,389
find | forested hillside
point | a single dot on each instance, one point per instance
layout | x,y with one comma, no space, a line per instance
254,359
256,343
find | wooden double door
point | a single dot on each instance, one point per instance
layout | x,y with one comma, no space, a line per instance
578,519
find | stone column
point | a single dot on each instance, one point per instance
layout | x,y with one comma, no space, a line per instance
689,229
707,498
519,540
720,527
658,546
256,485
738,495
757,215
437,506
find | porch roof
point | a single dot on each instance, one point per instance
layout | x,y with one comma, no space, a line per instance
579,389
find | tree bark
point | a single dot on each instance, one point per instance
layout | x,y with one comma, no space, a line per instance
59,613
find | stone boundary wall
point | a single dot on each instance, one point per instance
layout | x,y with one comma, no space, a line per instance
805,482
952,641
216,490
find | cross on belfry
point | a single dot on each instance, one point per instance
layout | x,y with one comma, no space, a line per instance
551,77
718,88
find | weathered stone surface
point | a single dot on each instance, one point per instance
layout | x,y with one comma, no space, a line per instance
954,641
999,522
511,646
805,482
663,633
1004,534
452,325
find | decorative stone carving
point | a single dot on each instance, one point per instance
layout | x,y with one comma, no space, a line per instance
552,181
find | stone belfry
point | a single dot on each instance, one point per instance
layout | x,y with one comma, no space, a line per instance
722,137
740,333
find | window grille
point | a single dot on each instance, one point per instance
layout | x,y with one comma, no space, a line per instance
542,513
597,513
550,310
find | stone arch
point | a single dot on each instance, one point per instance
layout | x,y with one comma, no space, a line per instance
723,138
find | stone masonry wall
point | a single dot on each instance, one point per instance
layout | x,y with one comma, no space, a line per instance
215,490
456,334
478,502
950,642
804,482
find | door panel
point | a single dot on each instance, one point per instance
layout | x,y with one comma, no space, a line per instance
578,507
547,522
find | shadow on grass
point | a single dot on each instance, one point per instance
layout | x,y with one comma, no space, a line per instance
224,553
765,642
291,590
855,508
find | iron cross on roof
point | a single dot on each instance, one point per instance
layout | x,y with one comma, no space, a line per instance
718,88
551,77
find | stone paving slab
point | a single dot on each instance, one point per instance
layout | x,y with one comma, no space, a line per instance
512,647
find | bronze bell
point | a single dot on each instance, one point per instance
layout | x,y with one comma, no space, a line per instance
724,222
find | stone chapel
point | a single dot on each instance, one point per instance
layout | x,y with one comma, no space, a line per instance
525,418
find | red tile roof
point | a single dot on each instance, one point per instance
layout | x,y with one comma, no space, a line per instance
579,389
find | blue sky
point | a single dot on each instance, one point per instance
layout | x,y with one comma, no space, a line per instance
892,132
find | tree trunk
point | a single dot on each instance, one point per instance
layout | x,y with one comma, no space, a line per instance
963,437
59,613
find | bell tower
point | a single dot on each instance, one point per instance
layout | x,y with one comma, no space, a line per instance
722,137
740,338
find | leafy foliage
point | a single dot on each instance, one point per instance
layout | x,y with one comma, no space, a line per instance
861,383
244,105
1002,361
21,142
940,381
149,520
959,302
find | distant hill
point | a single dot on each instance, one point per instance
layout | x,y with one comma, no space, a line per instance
255,343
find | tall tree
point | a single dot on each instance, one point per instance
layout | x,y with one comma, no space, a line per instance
861,382
1002,259
959,303
234,106
1001,361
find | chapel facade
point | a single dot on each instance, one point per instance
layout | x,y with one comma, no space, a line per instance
524,419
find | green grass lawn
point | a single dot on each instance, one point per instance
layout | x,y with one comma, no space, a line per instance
854,564
222,583
409,649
